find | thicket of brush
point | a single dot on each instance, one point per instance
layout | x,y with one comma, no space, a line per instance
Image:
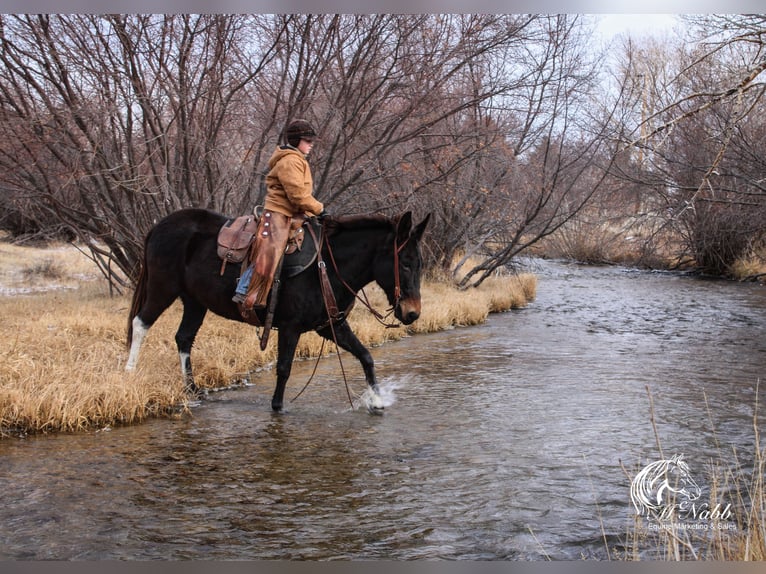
647,242
62,366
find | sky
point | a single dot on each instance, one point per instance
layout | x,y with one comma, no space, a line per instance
610,25
346,6
375,6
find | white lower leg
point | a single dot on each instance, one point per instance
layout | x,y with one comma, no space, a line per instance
139,332
376,401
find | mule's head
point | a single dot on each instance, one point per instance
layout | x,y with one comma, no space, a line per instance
403,292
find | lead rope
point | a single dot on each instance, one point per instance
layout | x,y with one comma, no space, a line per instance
316,366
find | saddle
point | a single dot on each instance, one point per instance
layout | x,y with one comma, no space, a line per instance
299,258
236,236
236,244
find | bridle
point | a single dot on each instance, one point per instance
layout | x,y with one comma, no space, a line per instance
333,313
397,283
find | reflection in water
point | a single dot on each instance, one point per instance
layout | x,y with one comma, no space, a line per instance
502,441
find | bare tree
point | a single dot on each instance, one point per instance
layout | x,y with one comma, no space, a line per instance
699,136
113,121
440,112
551,164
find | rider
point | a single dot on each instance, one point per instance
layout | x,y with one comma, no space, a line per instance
289,193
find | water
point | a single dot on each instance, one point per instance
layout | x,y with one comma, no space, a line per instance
503,441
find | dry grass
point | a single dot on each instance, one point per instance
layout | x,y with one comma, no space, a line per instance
25,269
739,537
635,241
750,267
641,241
61,367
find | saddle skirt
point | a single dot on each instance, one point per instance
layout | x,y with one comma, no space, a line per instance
235,238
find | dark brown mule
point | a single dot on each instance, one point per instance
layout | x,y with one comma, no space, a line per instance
180,260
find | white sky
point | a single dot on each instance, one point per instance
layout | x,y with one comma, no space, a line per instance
610,25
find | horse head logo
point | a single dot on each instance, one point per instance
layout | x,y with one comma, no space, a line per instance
662,484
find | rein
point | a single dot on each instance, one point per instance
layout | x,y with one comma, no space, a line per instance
364,300
331,305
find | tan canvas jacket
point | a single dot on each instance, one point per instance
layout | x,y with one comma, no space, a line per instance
289,184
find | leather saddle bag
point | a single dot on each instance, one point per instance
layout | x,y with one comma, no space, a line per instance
235,238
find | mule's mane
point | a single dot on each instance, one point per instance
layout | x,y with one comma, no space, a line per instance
364,221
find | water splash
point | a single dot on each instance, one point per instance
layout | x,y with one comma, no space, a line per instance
386,396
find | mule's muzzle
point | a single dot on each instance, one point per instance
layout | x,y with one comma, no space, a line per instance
408,310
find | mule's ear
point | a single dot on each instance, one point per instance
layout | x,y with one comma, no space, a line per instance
418,233
404,226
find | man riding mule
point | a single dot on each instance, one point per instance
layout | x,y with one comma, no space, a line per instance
289,195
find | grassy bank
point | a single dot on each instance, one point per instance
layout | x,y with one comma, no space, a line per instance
64,352
642,242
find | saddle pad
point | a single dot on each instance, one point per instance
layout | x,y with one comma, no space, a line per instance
301,259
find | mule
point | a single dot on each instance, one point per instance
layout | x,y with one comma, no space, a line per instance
180,260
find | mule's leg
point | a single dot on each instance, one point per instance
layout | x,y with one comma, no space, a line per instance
144,319
287,342
194,314
139,332
347,340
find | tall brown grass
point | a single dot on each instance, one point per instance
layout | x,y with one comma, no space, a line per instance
739,537
62,361
636,241
751,266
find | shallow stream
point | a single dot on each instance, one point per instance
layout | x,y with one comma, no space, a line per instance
516,439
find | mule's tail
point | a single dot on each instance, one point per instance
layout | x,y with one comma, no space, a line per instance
139,298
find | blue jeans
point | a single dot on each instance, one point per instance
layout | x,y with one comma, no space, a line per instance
244,281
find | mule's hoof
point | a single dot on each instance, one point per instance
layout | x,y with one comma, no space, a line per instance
196,393
375,410
373,402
